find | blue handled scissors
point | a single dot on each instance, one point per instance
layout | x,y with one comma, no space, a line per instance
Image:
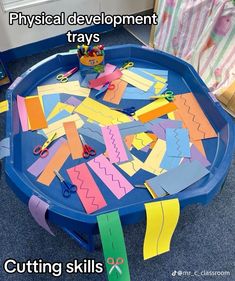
130,111
67,187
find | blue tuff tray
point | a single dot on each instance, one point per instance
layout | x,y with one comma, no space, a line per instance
69,214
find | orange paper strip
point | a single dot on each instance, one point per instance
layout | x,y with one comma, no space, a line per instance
74,142
129,140
193,117
35,113
157,112
154,138
115,95
55,163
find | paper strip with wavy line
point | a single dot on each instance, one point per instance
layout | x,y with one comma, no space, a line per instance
58,108
114,95
141,140
193,117
114,144
87,189
177,142
131,167
111,177
93,131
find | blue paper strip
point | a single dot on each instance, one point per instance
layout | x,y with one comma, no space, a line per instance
177,142
156,187
49,102
169,162
132,128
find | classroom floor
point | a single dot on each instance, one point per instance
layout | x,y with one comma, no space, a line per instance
203,240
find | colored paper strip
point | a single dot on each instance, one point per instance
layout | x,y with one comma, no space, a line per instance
113,247
197,155
22,113
35,113
55,163
183,176
60,107
162,218
108,69
115,92
73,101
141,140
132,93
38,209
38,166
169,162
111,177
93,131
105,79
87,189
4,106
114,144
74,142
132,128
177,141
49,102
131,167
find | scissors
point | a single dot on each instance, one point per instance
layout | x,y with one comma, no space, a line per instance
168,95
43,150
127,65
87,150
115,264
67,187
130,111
63,78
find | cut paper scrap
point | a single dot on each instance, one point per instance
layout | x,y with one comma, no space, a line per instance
105,79
169,162
101,113
183,176
49,102
58,128
193,117
87,189
22,113
154,140
154,110
88,77
115,92
177,142
4,106
114,249
60,107
38,209
93,131
141,140
131,167
136,80
40,164
74,142
154,159
71,88
132,93
156,190
4,148
60,115
132,128
199,146
55,163
108,69
171,115
111,177
196,155
114,144
35,113
129,141
73,101
162,218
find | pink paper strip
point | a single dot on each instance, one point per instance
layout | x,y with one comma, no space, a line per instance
113,179
22,113
87,189
114,144
109,68
105,79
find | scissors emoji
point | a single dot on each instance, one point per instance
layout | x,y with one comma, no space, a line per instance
168,95
67,187
130,111
63,78
115,264
127,65
43,150
87,150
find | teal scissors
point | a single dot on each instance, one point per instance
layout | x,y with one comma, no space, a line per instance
168,95
67,187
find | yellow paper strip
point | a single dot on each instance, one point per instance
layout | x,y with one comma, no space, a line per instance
141,140
4,106
151,106
58,108
154,159
71,88
171,115
131,167
157,77
58,128
101,113
162,219
136,80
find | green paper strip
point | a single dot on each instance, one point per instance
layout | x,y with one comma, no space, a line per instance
113,247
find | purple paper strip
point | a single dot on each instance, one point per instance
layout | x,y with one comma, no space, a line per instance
160,129
196,155
38,166
73,101
38,209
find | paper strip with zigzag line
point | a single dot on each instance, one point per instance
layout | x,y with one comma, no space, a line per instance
87,189
177,143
